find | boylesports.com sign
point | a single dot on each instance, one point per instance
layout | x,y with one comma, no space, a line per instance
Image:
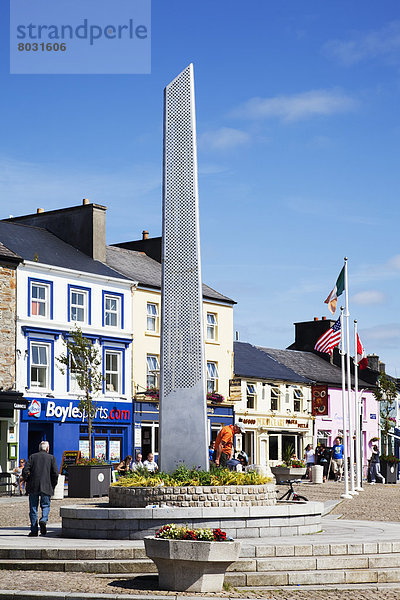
67,411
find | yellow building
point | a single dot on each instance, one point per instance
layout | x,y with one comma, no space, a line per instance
131,260
274,404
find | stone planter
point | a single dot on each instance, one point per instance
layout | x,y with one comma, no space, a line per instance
191,566
285,473
88,481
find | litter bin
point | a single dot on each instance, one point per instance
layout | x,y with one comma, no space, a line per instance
59,489
317,473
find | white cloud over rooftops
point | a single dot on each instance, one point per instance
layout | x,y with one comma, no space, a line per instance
225,138
368,297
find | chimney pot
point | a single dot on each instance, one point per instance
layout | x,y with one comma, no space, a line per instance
315,318
145,235
39,210
85,201
323,318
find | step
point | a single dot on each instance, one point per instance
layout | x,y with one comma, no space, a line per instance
316,577
81,566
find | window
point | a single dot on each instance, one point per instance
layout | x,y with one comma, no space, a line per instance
251,395
297,400
152,317
275,396
212,377
153,370
113,309
112,371
40,366
39,304
211,326
79,304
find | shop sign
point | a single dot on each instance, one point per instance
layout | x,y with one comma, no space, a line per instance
68,411
319,400
235,389
372,416
278,422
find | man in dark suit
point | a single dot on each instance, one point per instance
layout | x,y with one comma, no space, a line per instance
41,475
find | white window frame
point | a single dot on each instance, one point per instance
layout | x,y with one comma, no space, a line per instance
44,366
109,311
276,389
251,395
111,373
152,370
299,398
40,301
83,306
152,317
212,377
212,327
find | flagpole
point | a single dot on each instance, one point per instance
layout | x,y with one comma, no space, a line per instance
349,403
359,469
344,411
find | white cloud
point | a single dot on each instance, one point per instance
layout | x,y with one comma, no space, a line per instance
224,138
297,106
394,262
368,297
387,335
382,43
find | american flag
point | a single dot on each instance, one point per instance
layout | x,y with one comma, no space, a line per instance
329,340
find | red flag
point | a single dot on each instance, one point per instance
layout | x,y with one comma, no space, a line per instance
362,359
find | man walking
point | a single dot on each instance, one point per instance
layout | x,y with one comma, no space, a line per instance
41,475
224,443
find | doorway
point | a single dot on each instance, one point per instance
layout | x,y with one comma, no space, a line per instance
39,432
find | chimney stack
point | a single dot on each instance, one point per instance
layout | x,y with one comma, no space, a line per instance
145,235
85,201
315,318
39,210
323,318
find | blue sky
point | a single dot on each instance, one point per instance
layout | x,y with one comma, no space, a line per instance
298,131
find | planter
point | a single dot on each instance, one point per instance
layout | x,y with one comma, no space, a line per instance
191,566
285,473
88,481
389,471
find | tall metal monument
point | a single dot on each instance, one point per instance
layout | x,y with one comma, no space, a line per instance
183,407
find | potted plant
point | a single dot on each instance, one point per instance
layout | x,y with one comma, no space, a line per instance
90,476
215,397
191,560
290,468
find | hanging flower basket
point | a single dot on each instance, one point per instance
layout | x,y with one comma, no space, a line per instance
153,393
214,397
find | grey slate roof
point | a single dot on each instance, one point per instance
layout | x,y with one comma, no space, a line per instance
7,253
147,271
249,361
310,365
33,243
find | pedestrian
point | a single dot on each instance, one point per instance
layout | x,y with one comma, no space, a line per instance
375,466
322,456
309,457
125,465
19,483
224,443
137,464
41,475
150,464
337,459
211,451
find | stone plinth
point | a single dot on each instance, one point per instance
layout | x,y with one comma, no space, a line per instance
237,521
229,496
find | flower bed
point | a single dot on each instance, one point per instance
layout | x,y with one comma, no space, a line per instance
179,532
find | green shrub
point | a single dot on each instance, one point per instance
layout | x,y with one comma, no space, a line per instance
184,477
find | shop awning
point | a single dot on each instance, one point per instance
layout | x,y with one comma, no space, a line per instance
13,400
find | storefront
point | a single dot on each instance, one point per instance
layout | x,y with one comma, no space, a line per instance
62,424
268,439
146,424
10,405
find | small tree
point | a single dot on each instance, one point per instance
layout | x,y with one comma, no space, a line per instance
386,394
83,359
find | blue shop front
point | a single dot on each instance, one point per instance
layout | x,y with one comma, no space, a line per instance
146,423
63,425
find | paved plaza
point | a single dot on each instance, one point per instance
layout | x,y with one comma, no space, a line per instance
370,521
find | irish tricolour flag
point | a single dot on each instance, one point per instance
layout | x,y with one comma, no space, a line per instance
331,300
